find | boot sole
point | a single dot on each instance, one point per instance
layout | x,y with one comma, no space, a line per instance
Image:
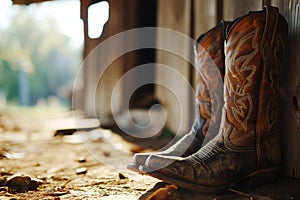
135,168
256,178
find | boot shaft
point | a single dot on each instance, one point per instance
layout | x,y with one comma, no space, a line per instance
210,69
254,50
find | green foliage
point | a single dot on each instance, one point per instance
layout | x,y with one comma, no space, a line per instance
39,48
8,81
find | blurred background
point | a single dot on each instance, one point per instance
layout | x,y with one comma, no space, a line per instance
40,52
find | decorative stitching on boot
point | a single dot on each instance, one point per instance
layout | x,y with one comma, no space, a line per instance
243,103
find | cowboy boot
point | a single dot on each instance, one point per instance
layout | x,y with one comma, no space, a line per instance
210,73
246,149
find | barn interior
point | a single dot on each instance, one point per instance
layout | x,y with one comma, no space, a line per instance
118,77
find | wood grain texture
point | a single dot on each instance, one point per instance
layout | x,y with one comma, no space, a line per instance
177,17
290,90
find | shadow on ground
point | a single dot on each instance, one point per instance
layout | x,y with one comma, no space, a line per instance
283,189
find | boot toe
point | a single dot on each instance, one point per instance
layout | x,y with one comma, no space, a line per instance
157,162
140,158
168,166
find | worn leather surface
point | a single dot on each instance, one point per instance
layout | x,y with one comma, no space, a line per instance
247,144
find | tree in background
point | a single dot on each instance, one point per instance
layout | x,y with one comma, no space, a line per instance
37,52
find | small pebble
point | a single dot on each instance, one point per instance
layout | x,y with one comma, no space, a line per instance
81,170
81,159
122,176
106,153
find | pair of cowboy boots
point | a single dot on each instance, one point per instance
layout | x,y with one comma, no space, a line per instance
246,146
209,98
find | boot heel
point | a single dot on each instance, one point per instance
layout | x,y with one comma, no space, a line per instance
263,176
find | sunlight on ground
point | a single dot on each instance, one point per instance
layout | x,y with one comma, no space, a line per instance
42,112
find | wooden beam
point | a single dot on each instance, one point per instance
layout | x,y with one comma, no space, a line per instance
27,2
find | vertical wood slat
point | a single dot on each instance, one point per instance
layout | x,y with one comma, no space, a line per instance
174,15
290,91
219,10
236,8
205,13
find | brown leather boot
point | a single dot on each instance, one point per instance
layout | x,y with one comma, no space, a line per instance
210,74
246,149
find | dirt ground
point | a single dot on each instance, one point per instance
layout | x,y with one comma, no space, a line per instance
92,165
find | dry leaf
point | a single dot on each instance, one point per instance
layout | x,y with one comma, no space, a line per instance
167,192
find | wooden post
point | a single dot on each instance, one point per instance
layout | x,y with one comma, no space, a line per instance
122,16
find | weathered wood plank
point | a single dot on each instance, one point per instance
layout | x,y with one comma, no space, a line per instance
175,15
236,8
205,16
290,92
